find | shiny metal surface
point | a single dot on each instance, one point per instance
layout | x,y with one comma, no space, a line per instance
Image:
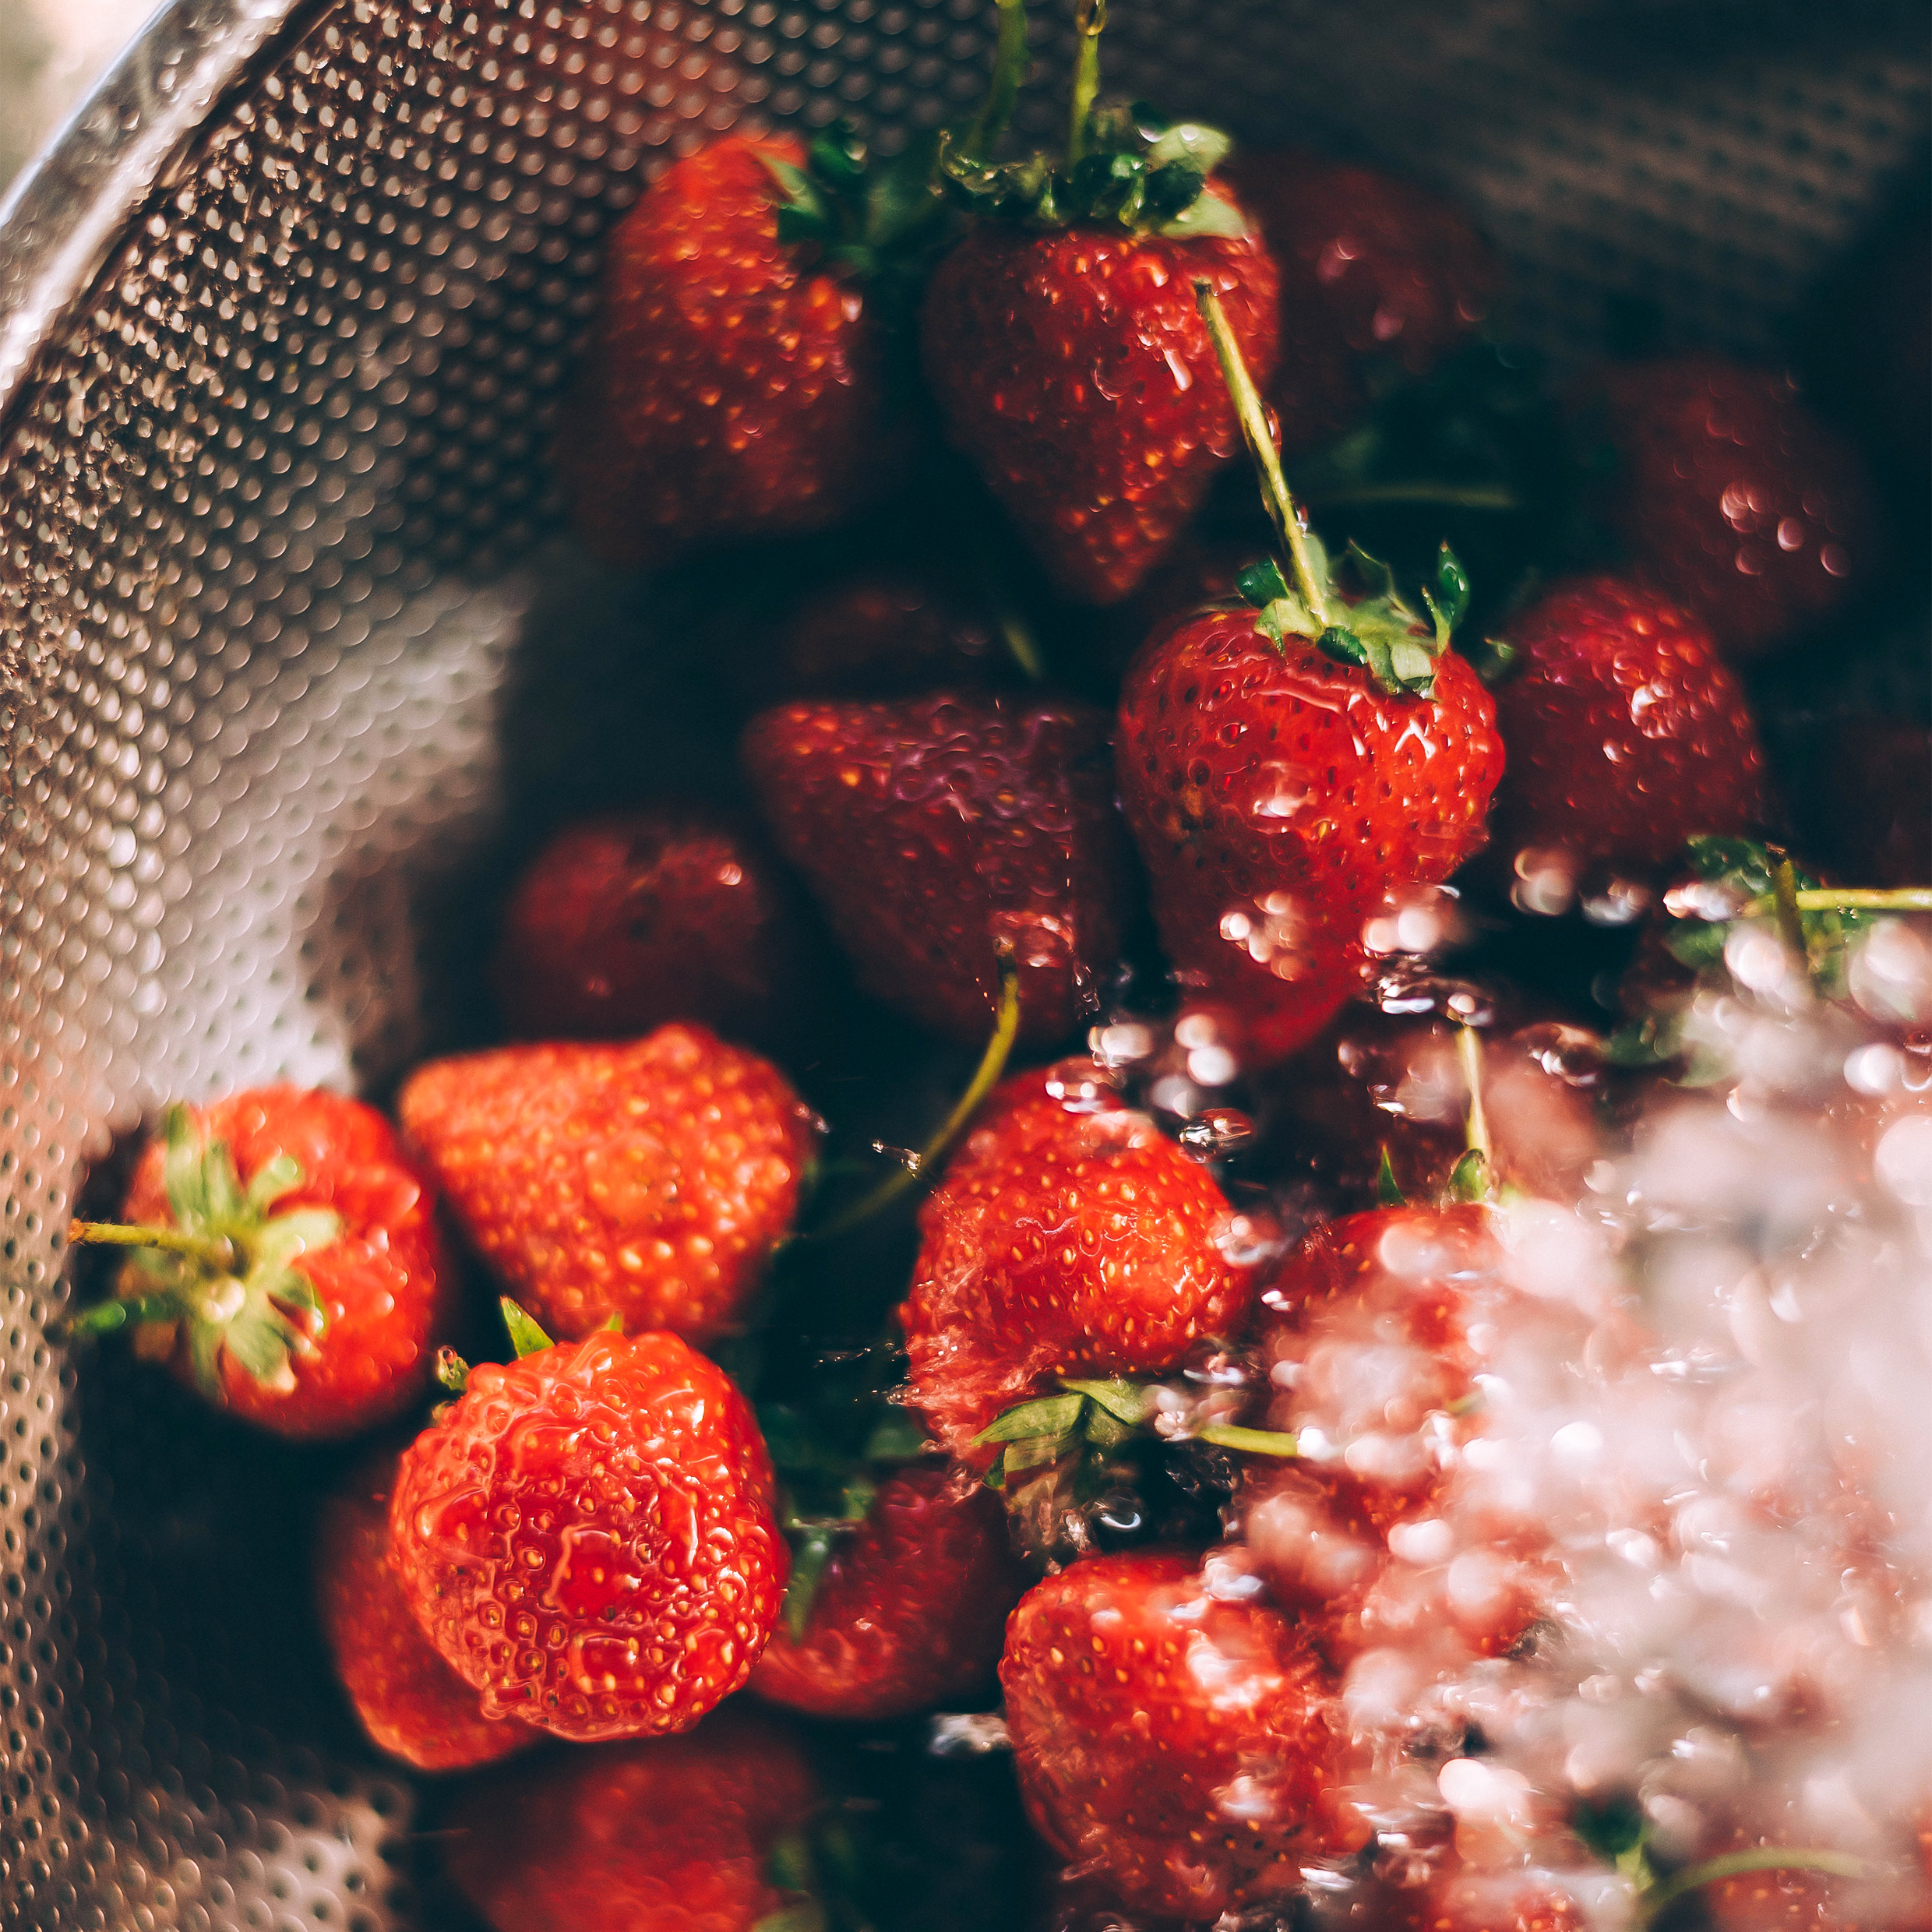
284,318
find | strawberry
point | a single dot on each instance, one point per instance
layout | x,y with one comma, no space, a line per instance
1626,734
649,1180
1185,1749
1500,1902
1735,500
409,1702
287,1257
673,1834
910,1610
1285,769
735,385
1061,344
936,830
587,1536
621,923
1068,1237
884,633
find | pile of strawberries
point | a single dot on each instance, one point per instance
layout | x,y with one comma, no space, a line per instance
1168,1411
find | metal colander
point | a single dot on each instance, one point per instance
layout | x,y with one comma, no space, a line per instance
284,319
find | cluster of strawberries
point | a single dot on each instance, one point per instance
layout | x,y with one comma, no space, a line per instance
591,1541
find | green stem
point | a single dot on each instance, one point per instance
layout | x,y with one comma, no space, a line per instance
1021,646
1847,899
217,1249
1260,441
1476,1133
1784,899
1003,92
1445,495
122,1311
1088,24
1653,1898
1256,1442
993,1063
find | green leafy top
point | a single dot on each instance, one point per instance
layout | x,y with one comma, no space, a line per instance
1137,172
1383,633
866,215
224,1271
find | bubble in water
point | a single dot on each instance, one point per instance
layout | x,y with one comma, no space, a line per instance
1215,1134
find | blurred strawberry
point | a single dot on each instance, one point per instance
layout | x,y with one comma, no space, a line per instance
621,923
1735,500
1625,733
285,1259
934,830
649,1180
676,1834
1500,1902
1068,1237
410,1703
735,385
587,1537
910,1610
1184,1750
884,634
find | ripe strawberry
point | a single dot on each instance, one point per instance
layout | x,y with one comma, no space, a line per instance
1626,734
300,1279
910,1611
587,1536
1735,499
410,1703
675,1834
735,384
935,829
622,923
1068,1237
1371,265
886,633
1277,794
1185,1749
649,1180
1500,1902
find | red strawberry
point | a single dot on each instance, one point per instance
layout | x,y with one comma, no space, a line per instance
1735,499
1185,1749
1068,1237
303,1282
883,634
1277,794
587,1537
650,1180
621,923
675,1834
1500,1902
910,1611
410,1703
1395,270
734,385
1626,734
934,830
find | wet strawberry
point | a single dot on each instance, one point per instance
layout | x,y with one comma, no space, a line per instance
675,1834
934,830
1396,270
1500,1902
301,1282
1068,1237
734,387
1184,1750
883,634
410,1703
649,1180
910,1611
1735,500
1626,734
621,923
587,1537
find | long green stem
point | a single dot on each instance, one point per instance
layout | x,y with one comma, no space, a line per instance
1003,92
1848,899
1469,1055
1654,1898
993,1063
1087,25
217,1249
1784,899
1254,1442
121,1311
1254,427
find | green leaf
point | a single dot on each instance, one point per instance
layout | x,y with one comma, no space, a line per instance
272,1180
898,1436
1388,1191
525,1337
613,1325
259,1338
291,1289
1037,1452
1450,602
904,198
277,1242
227,1203
1204,149
183,1172
204,1358
1172,190
452,1373
1411,664
1469,1179
1261,584
1609,1829
807,1916
1126,1401
838,158
1049,1415
1286,617
811,1552
1339,641
1208,215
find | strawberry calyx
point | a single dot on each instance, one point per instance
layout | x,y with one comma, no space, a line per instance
824,1867
862,213
222,1274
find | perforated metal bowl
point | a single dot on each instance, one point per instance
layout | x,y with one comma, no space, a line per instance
284,318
